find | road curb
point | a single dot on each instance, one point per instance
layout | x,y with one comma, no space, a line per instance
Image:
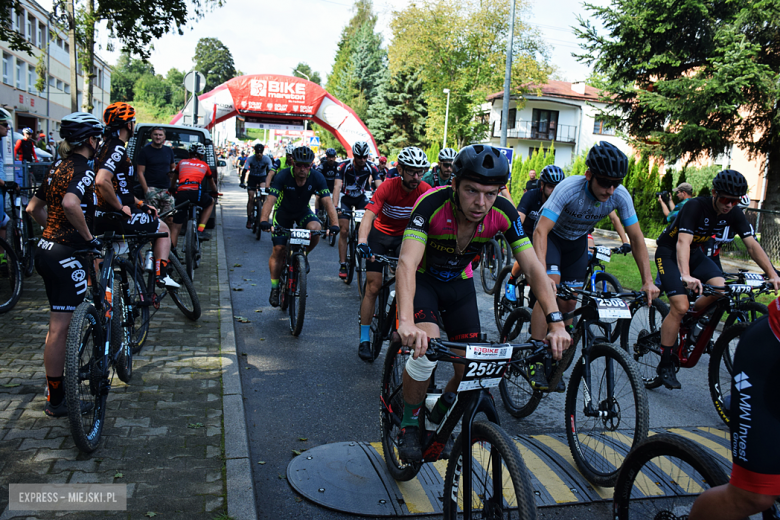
241,504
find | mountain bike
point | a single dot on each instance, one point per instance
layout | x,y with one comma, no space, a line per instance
257,210
385,320
352,240
606,409
98,341
292,279
486,475
360,262
491,263
23,237
11,278
192,240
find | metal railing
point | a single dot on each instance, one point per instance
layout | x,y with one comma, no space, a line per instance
543,132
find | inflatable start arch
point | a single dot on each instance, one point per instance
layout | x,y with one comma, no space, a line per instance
271,98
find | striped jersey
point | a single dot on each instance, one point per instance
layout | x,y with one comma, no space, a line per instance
392,206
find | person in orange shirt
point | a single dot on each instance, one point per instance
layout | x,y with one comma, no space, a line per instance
191,174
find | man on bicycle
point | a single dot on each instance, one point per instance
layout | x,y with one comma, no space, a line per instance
441,175
561,233
683,265
114,186
258,166
289,196
447,229
382,229
190,174
328,168
350,186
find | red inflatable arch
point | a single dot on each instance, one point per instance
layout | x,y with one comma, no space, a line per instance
273,98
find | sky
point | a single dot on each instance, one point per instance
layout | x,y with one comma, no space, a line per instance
266,44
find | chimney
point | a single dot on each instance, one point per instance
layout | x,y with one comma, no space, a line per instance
579,87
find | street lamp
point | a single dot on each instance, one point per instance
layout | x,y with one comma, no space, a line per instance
446,117
302,74
305,121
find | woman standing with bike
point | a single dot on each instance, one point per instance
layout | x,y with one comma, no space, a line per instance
64,206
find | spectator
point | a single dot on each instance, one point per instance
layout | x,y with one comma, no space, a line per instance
155,164
24,150
532,183
684,193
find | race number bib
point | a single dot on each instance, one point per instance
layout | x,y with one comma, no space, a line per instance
486,366
754,279
300,236
359,215
603,253
740,288
613,308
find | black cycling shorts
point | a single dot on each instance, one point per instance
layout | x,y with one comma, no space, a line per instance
568,259
701,267
139,222
347,204
755,410
455,300
199,197
382,244
278,238
254,181
64,276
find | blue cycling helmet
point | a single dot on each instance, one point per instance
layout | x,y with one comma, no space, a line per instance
552,174
330,152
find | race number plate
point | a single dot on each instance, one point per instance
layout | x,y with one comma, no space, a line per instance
739,288
359,215
603,253
754,279
300,236
613,308
486,366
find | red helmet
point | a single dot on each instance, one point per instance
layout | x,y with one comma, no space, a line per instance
383,160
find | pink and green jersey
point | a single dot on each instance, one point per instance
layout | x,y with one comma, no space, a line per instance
433,223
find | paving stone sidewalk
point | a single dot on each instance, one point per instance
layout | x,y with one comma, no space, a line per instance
163,436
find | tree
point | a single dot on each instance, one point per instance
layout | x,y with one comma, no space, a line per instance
397,116
152,89
691,81
16,41
214,60
124,75
303,69
175,80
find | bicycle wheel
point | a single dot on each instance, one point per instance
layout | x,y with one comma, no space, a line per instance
490,265
746,312
10,278
256,224
506,252
378,322
519,399
26,246
137,304
641,338
720,373
392,397
502,306
351,245
83,376
662,477
500,483
190,248
185,297
619,420
283,296
298,296
605,282
361,277
120,337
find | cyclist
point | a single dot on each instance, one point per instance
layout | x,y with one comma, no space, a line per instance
381,165
289,197
24,149
240,162
446,230
258,166
352,181
190,175
441,175
561,233
64,206
328,169
682,264
281,164
114,185
5,122
382,229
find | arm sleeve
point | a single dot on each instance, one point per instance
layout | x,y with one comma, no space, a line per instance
511,226
554,206
277,186
18,150
340,172
378,199
625,207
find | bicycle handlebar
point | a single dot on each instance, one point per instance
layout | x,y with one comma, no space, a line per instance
439,350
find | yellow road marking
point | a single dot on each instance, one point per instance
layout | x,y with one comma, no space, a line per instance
718,433
712,445
677,476
563,450
647,485
507,489
554,485
416,499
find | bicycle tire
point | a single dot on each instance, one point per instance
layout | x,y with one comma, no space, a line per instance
138,307
595,442
283,296
120,344
746,312
519,398
378,322
719,371
256,226
27,259
351,245
506,251
83,377
361,277
11,280
684,463
496,457
644,321
393,398
490,265
502,307
298,298
190,248
607,282
187,300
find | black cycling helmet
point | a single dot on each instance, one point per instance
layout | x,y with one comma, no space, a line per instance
79,126
481,163
606,160
552,174
330,152
303,155
259,148
730,183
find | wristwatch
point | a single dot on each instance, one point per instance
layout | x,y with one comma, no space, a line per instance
554,317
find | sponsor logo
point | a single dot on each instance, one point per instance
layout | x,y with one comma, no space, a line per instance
45,244
86,181
78,275
741,382
418,221
258,87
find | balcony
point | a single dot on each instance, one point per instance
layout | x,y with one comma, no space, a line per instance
540,132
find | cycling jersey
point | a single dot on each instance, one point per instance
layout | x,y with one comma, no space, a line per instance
293,199
112,156
328,170
258,167
432,178
24,150
530,206
699,218
192,172
392,205
355,183
241,161
433,223
575,210
392,173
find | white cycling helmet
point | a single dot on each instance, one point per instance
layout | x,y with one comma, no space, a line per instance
448,154
288,150
744,202
413,157
361,149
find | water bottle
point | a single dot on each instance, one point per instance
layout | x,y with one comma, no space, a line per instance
438,408
149,262
390,302
698,328
511,292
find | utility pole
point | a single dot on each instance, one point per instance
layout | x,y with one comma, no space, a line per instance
74,79
508,77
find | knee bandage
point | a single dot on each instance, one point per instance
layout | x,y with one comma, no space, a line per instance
420,369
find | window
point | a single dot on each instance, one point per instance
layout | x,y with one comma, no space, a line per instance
600,127
67,47
544,124
59,84
8,73
31,80
52,81
41,35
59,42
67,88
30,33
510,121
19,21
21,74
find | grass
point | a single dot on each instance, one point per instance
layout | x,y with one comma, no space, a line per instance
147,113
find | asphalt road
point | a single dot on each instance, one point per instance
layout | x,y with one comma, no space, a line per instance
315,387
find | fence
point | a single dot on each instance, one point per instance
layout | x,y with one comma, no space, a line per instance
767,226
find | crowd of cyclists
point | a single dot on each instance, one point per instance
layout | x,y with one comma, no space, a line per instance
436,222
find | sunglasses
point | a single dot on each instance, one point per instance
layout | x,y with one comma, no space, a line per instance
604,182
728,200
305,166
445,164
414,174
5,125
